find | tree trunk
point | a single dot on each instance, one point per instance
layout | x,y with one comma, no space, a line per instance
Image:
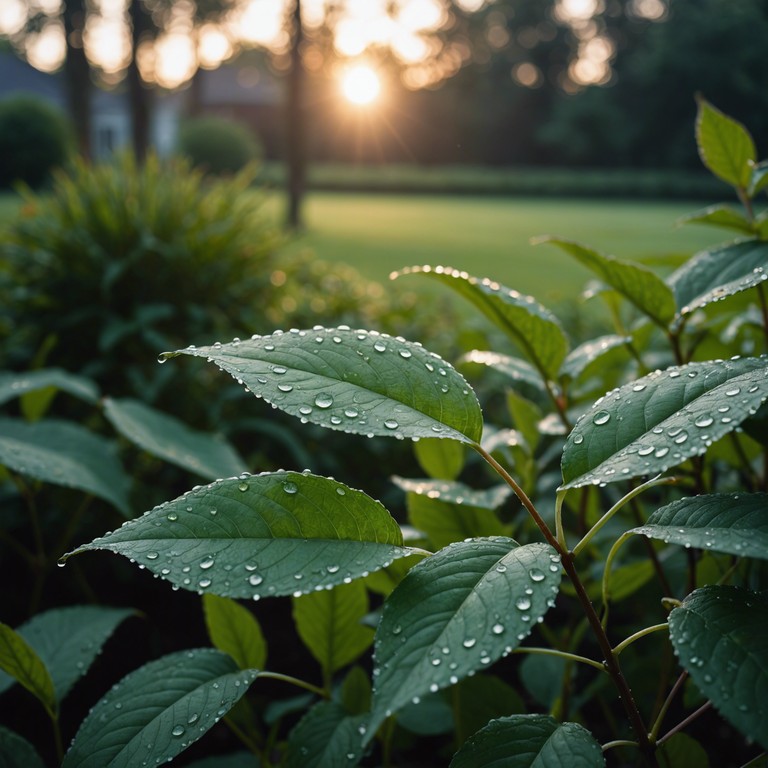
77,75
295,122
139,95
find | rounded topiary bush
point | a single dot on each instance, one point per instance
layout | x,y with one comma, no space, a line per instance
217,145
34,138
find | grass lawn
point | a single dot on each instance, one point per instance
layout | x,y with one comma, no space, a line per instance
489,236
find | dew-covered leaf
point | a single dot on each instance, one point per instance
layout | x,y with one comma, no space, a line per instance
719,272
16,752
66,454
236,631
725,146
13,384
329,625
430,716
453,492
511,367
638,284
530,325
720,216
273,534
67,640
530,741
734,523
720,634
159,710
362,382
442,459
660,420
580,358
456,612
20,661
325,737
168,438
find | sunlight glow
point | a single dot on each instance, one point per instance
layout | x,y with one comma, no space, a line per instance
12,16
360,84
47,49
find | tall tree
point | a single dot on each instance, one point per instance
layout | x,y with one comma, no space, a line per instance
77,72
295,120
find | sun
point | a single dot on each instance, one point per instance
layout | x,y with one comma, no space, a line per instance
360,84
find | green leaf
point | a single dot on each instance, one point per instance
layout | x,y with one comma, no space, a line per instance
19,660
66,454
430,716
511,367
159,710
278,533
443,459
529,324
14,384
585,354
720,216
236,631
638,284
233,760
67,641
526,417
681,751
168,438
759,180
361,382
325,737
451,511
481,698
356,692
734,523
530,741
719,634
481,597
662,419
543,678
725,145
329,625
719,272
16,752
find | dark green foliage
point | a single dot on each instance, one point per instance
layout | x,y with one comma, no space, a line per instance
637,597
216,145
35,138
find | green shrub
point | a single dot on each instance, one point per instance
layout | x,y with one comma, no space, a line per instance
35,138
653,585
104,271
217,145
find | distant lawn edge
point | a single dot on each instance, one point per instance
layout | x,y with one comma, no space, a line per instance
527,181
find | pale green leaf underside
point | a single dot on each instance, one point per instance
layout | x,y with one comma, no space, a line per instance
454,492
66,454
720,216
157,711
14,385
263,535
168,438
361,382
662,419
759,180
527,323
67,640
719,272
585,354
325,737
734,523
19,660
233,629
725,146
329,624
720,635
440,458
530,741
16,752
456,612
511,367
638,284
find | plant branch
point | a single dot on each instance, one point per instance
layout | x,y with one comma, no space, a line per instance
763,309
562,655
685,723
658,480
523,497
642,633
618,743
294,681
607,570
665,706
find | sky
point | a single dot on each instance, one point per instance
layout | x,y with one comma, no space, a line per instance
172,58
